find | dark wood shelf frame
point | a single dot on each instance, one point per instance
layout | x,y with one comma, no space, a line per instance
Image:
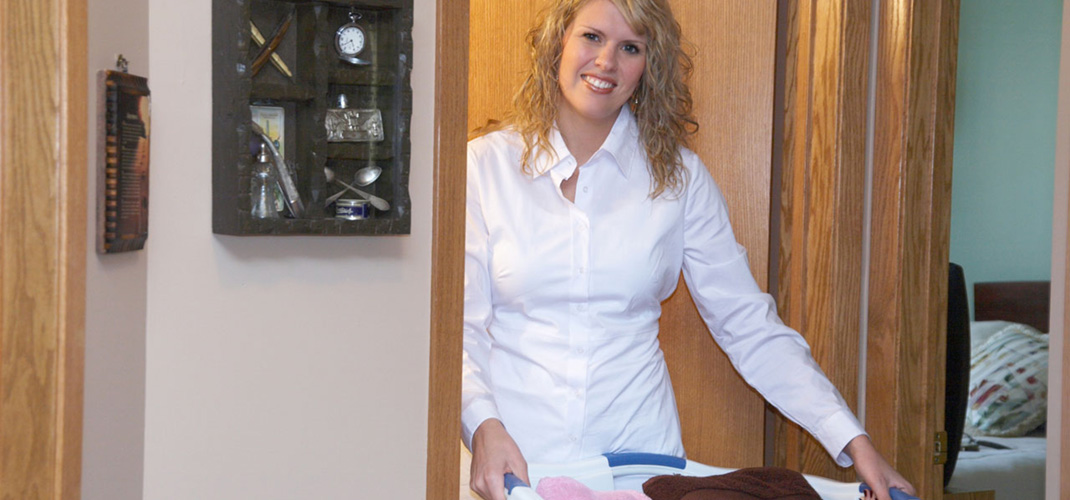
319,76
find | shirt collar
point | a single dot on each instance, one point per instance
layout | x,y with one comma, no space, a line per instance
620,145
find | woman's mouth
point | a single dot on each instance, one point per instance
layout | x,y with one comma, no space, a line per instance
598,84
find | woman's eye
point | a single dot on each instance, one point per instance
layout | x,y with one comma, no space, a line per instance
591,36
631,49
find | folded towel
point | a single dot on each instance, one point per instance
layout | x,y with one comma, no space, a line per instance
566,488
763,483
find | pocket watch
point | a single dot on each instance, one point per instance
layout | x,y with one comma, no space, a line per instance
350,41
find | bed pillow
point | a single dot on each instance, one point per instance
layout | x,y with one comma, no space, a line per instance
1008,383
980,331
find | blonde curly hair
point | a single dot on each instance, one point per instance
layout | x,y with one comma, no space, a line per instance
661,104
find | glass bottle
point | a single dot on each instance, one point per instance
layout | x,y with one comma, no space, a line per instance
262,187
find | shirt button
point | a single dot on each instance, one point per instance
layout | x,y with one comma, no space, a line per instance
582,307
580,350
573,438
577,393
585,188
583,270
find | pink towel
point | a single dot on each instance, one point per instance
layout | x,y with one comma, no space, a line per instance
566,488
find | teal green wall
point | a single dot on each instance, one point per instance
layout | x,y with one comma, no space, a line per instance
1005,100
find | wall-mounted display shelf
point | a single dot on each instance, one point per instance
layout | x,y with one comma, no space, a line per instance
311,95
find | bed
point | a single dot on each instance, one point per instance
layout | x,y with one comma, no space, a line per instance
1008,456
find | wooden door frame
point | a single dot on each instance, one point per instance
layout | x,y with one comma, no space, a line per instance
1058,468
447,257
43,134
447,252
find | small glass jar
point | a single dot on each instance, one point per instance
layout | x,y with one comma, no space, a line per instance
263,186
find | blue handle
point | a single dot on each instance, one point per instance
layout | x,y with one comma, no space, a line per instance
511,481
896,493
618,459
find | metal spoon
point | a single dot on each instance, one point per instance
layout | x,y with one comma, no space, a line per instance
367,175
376,201
363,177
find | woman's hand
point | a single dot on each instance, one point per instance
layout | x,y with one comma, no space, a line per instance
874,470
493,454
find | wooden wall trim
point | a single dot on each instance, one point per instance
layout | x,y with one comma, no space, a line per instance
73,195
823,200
1057,478
1061,466
911,209
1064,421
43,134
447,252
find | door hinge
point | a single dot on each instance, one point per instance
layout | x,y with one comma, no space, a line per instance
940,448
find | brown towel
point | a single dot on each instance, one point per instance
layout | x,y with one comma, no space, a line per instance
763,483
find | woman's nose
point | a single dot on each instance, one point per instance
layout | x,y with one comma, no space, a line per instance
607,58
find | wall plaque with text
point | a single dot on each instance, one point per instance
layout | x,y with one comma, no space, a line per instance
123,162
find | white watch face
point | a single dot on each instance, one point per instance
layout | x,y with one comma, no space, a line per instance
350,40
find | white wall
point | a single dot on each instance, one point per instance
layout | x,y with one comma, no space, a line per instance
277,367
114,408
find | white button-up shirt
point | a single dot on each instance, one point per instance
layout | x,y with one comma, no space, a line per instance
562,301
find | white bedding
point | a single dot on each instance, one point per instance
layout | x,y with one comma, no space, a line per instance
1015,474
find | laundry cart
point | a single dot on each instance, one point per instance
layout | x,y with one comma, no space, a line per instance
628,471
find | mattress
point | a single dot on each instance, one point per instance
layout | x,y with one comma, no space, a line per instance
1016,473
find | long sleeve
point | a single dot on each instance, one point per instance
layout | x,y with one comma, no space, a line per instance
477,401
771,357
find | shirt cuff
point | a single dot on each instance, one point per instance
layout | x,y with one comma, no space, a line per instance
473,416
835,432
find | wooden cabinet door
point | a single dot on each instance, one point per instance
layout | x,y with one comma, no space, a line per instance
734,45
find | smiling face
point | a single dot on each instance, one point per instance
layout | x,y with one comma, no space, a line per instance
602,61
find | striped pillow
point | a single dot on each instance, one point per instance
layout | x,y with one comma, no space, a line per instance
1008,383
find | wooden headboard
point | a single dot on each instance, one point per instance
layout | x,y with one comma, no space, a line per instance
1025,302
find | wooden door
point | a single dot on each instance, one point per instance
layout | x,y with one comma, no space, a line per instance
907,318
821,200
822,228
732,85
42,247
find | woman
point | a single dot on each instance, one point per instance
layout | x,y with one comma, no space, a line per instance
582,211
